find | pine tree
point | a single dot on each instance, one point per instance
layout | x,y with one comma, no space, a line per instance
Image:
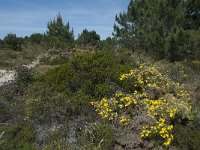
11,41
148,26
88,38
1,44
192,14
60,35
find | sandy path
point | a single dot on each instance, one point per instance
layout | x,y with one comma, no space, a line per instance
33,64
7,77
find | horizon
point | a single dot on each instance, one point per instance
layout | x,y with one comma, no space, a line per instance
26,17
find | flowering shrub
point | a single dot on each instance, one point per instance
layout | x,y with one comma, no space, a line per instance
161,99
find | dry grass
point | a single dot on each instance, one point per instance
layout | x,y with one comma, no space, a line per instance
10,59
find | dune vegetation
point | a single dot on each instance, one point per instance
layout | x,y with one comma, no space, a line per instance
139,89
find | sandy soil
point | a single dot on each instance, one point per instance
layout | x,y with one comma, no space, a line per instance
6,77
33,64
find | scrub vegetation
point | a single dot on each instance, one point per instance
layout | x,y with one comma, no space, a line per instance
139,89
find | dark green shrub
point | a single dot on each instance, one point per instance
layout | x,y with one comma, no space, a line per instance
88,38
186,138
108,44
11,41
1,44
37,38
66,89
24,77
88,72
4,111
17,137
5,64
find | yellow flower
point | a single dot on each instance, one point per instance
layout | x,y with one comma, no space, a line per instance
134,101
120,106
105,104
131,71
100,113
171,115
127,98
168,141
123,119
119,94
141,66
162,120
170,127
115,102
123,76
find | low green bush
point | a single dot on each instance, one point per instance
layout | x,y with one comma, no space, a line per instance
186,138
17,137
99,136
65,89
11,41
23,78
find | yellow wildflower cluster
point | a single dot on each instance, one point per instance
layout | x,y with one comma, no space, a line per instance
143,76
124,76
162,108
112,108
103,109
123,120
163,111
162,129
145,133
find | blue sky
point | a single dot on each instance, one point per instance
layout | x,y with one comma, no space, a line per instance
25,17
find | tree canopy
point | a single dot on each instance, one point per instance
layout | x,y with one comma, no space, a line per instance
60,35
88,38
157,27
11,41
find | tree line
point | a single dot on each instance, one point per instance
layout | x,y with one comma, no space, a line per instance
163,28
58,35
